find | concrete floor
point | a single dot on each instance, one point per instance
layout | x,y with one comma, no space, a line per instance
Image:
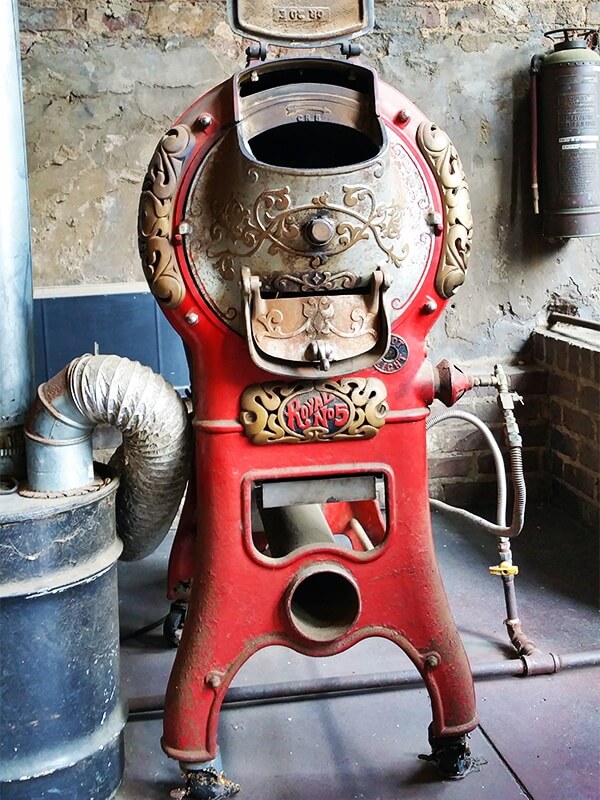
539,737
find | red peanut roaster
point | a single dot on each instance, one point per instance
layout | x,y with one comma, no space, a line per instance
302,226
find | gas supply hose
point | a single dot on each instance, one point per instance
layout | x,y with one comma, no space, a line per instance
517,479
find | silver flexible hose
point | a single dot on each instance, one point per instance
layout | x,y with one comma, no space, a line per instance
496,453
153,462
518,481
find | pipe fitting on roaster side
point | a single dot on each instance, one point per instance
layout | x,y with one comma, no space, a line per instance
451,382
153,462
451,385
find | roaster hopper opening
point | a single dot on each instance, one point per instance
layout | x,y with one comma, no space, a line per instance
313,145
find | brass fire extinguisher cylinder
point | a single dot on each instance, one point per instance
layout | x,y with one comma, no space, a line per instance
568,134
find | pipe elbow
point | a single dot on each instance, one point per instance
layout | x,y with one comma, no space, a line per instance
153,462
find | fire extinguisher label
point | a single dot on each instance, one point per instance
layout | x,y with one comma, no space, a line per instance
580,146
572,139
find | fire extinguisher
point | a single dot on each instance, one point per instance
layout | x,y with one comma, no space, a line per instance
565,134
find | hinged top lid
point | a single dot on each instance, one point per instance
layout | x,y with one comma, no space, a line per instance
301,23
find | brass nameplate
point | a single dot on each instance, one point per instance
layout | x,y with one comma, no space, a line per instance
314,411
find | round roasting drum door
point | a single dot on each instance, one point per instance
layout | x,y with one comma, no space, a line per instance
307,230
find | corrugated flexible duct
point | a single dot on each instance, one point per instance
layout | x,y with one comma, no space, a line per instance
153,462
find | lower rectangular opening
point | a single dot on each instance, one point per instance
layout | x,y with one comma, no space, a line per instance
348,512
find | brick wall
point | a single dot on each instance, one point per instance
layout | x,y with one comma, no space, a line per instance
461,466
574,415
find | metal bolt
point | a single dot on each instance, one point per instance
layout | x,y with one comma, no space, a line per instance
191,318
184,228
436,220
204,121
320,230
429,306
432,661
214,680
403,116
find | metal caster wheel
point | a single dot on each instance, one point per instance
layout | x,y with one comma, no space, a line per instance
205,784
173,624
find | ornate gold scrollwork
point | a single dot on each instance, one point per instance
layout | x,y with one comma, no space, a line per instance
319,315
314,411
155,212
445,163
273,219
323,280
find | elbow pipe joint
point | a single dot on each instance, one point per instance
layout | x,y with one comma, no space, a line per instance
58,440
153,462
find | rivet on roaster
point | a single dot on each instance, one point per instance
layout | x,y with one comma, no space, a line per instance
204,121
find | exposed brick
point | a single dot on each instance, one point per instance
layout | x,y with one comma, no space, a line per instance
79,17
531,460
486,464
448,438
485,408
539,347
584,480
442,438
547,462
114,24
574,360
473,17
589,399
529,382
465,494
564,443
534,408
45,18
474,439
578,422
589,454
430,17
575,504
538,488
534,435
450,466
550,348
556,412
436,489
586,364
483,391
562,386
565,497
557,465
561,355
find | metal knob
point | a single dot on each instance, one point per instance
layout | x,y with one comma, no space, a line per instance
320,230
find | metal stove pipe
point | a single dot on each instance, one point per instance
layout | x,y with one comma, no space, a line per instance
16,326
153,463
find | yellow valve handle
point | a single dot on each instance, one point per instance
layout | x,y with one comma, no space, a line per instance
504,569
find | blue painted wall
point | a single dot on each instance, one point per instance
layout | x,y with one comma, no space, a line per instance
130,325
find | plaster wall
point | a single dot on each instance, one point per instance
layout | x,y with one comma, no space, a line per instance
103,79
